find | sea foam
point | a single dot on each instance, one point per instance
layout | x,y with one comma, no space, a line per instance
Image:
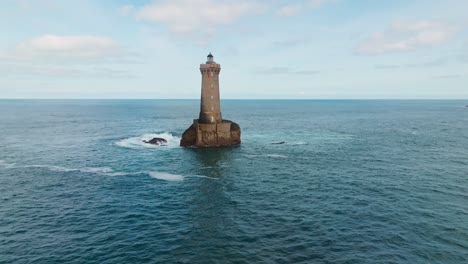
4,164
166,176
137,142
94,170
105,171
266,156
298,143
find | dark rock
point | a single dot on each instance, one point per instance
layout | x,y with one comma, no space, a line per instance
156,141
189,137
278,143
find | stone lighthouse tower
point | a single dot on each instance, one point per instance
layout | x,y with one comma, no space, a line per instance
210,110
210,130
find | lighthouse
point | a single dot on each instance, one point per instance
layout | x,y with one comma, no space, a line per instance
210,129
210,110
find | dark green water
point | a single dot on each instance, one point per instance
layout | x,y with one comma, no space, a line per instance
355,182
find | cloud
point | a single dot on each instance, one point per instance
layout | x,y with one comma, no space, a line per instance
34,71
290,10
285,70
24,4
406,36
53,48
293,41
197,16
387,66
462,58
427,64
125,10
449,76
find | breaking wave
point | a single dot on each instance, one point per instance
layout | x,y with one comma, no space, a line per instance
96,170
166,176
4,164
299,143
266,156
93,170
137,142
106,171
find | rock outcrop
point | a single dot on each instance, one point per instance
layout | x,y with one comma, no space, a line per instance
156,141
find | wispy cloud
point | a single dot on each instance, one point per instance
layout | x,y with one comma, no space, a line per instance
387,66
449,76
126,10
407,36
290,10
427,64
285,70
192,16
462,58
289,42
26,71
47,46
77,48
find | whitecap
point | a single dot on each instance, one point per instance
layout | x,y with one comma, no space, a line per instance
100,170
298,143
166,176
113,174
95,170
266,156
106,171
137,142
276,156
203,176
55,168
6,165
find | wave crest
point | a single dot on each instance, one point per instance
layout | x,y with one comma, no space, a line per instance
137,142
266,156
166,176
5,164
106,171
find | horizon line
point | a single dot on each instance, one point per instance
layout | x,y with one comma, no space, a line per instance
79,98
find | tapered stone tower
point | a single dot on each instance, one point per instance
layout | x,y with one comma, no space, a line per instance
210,130
210,110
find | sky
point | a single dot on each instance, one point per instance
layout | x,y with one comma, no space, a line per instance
277,49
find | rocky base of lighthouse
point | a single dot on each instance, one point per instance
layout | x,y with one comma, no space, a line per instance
222,134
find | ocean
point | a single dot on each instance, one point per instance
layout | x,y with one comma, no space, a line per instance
356,181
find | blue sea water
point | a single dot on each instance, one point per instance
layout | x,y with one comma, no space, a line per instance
355,182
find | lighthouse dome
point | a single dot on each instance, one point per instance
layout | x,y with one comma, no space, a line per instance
210,59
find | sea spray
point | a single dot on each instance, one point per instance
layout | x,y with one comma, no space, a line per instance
138,142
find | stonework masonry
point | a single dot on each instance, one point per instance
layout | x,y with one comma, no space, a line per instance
210,130
210,109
